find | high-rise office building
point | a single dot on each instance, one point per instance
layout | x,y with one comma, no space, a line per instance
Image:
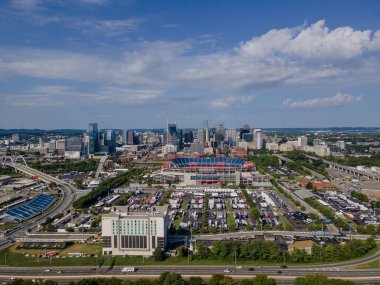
341,144
259,142
201,136
189,137
302,141
124,136
60,146
219,135
231,137
130,138
93,138
246,129
110,141
180,139
74,144
248,137
52,146
171,134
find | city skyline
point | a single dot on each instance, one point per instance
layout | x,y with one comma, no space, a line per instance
131,64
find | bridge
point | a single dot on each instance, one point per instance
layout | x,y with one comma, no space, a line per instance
68,194
282,158
348,169
102,161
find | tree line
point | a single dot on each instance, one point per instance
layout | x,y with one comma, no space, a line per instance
66,166
268,251
106,185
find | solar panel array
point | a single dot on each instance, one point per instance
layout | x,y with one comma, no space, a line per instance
209,161
32,208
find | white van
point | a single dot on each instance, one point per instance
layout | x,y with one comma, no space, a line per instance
128,269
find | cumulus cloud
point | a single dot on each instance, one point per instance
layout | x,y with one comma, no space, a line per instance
311,55
316,41
228,101
339,99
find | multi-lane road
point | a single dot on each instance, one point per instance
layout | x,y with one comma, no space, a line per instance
286,275
66,274
68,193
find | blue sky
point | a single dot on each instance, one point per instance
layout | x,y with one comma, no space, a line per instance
133,64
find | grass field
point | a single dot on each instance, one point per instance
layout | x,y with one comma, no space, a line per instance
87,248
370,265
8,226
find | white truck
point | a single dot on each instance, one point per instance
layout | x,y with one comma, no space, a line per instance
128,269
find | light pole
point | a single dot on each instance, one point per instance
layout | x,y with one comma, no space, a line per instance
235,256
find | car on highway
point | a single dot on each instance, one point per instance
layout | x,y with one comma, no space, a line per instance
251,269
12,278
59,272
284,266
47,270
239,267
279,272
226,270
128,269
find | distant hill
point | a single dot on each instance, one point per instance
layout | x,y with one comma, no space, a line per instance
8,132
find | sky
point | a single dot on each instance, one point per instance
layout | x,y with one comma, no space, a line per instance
136,64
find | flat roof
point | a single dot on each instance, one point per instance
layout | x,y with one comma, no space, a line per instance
156,211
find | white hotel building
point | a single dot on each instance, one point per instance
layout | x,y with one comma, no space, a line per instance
134,233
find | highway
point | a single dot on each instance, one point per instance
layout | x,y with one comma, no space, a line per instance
68,193
287,274
348,169
314,173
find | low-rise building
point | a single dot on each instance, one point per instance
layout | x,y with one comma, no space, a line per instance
306,245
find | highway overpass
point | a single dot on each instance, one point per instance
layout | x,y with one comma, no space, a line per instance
348,169
68,194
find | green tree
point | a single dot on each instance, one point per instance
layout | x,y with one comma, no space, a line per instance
215,279
173,278
309,186
182,251
195,280
158,254
320,280
262,279
227,280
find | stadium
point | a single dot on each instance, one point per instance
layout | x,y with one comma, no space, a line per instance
200,171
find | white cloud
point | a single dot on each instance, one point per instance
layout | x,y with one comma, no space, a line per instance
106,27
26,4
316,41
231,101
60,96
94,2
307,55
338,100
